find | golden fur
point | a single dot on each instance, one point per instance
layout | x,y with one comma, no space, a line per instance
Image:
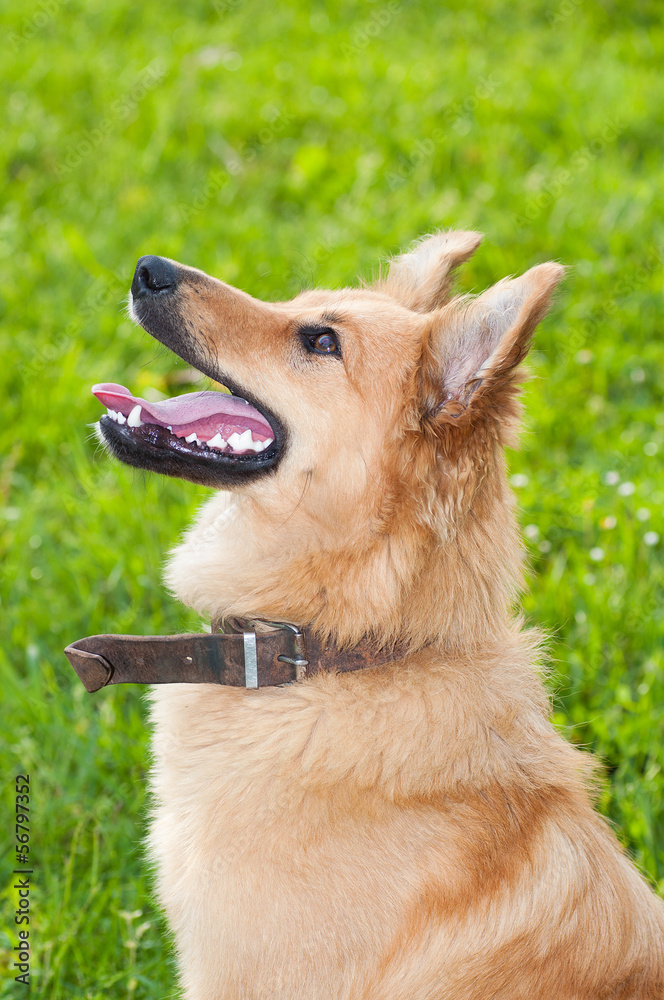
417,830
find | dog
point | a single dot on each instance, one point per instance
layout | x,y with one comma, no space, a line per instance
417,828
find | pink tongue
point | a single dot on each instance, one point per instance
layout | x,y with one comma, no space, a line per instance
202,413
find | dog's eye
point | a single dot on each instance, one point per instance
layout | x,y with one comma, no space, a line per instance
325,343
322,341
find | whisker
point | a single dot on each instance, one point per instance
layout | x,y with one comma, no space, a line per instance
307,483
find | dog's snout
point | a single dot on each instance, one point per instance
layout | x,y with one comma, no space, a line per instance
152,275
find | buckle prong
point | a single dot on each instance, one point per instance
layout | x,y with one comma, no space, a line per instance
300,666
299,661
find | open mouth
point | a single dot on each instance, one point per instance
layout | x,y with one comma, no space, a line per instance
204,419
212,438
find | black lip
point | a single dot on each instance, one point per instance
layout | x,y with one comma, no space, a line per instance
155,448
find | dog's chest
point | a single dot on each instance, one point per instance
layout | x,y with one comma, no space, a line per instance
254,865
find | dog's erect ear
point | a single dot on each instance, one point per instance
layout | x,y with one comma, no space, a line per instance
476,344
422,278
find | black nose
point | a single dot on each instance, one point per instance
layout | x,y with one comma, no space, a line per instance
152,275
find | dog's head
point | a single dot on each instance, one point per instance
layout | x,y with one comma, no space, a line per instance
362,442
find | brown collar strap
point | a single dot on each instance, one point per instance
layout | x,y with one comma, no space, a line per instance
246,659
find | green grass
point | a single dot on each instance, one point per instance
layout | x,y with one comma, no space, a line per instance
278,146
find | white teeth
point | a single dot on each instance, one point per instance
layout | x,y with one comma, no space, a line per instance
245,442
256,446
259,446
134,418
237,442
241,442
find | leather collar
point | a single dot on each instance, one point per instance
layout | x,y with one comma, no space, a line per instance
246,658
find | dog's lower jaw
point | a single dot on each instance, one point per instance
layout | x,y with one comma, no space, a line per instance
350,837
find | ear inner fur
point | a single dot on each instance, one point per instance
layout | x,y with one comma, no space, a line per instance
477,344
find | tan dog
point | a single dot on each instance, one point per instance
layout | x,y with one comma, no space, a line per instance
415,830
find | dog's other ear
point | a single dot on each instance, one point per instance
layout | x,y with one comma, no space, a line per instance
476,345
422,279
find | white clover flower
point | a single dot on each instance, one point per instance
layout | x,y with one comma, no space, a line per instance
608,522
651,448
611,478
643,514
519,480
532,532
651,538
626,489
596,554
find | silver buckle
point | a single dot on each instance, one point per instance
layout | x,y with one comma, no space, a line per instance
299,661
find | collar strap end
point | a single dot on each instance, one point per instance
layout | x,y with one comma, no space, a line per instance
92,668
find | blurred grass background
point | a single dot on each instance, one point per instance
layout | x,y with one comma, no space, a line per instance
280,146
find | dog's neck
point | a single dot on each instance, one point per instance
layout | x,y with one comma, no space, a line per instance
242,559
